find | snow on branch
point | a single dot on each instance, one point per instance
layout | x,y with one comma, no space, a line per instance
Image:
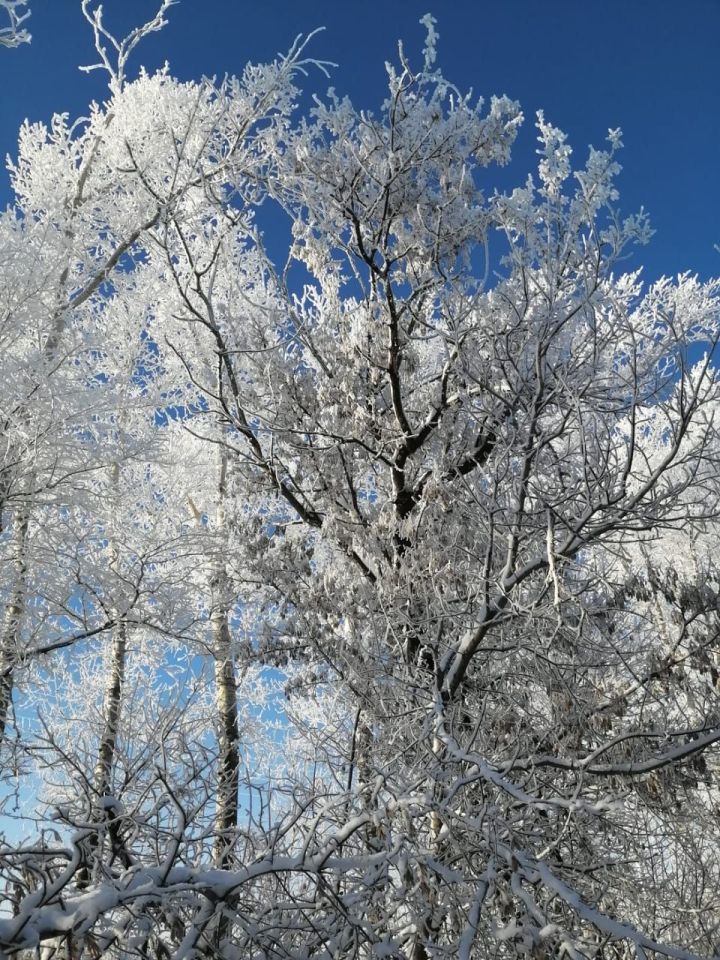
14,34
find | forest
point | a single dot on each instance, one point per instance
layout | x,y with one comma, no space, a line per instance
359,601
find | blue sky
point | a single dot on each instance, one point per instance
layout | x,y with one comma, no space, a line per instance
648,66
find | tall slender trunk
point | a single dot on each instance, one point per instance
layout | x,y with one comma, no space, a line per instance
228,774
102,775
228,771
226,813
10,638
105,762
113,695
112,708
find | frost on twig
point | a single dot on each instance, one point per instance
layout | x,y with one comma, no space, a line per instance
114,60
14,34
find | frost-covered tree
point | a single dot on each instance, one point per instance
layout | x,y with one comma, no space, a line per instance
398,660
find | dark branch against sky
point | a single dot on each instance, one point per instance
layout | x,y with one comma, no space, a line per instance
648,66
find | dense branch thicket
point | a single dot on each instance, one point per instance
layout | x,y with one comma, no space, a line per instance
361,605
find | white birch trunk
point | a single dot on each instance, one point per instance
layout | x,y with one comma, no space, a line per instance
228,776
105,762
10,637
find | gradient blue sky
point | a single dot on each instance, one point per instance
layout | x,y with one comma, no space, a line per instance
648,66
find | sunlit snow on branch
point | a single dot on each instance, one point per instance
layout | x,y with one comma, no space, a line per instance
14,34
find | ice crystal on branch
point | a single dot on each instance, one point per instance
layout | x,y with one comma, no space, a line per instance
14,34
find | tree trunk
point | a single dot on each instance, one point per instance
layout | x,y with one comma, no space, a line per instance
9,640
112,707
226,814
228,776
102,775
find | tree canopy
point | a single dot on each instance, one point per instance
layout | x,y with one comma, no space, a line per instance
363,602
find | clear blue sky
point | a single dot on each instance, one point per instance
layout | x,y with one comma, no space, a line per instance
649,66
